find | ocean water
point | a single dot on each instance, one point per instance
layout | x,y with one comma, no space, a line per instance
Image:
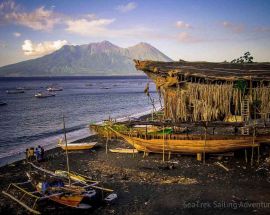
28,121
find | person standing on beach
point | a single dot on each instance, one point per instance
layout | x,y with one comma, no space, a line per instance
31,153
42,152
27,155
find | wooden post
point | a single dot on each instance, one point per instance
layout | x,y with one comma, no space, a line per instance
133,152
107,141
252,149
163,157
253,137
67,158
205,136
169,155
258,160
199,156
246,156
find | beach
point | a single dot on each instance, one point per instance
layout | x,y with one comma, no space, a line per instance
146,185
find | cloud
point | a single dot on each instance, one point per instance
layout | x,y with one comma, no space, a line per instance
39,49
3,44
102,28
127,7
88,27
181,24
39,19
262,29
236,28
17,34
185,37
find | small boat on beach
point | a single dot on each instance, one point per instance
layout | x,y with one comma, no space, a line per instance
53,89
124,151
77,146
44,95
17,91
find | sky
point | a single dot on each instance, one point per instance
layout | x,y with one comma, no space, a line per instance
192,30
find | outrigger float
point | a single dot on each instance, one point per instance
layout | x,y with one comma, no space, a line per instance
208,108
81,192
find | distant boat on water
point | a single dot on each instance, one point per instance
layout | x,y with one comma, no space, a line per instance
44,95
52,89
2,103
14,91
24,88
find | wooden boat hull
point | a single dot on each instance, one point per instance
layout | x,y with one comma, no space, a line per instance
72,198
74,146
188,146
70,201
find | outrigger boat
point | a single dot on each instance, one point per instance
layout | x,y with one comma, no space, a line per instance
63,187
81,193
77,146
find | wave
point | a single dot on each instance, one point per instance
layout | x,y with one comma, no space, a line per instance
48,140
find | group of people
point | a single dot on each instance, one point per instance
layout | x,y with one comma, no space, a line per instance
34,154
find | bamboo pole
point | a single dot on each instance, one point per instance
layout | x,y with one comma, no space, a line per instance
252,149
205,136
163,157
258,160
133,152
67,158
253,136
107,135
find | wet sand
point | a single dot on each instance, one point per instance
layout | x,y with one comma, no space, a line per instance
182,185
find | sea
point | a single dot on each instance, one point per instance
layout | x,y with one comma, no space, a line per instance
27,121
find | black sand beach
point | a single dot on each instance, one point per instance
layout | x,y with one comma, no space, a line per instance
149,186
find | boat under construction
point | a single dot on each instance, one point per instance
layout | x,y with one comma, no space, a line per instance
206,108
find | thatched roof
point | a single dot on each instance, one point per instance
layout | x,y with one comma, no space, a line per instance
207,70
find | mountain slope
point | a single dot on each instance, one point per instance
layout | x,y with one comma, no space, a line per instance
102,58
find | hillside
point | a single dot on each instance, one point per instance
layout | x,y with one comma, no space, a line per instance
102,58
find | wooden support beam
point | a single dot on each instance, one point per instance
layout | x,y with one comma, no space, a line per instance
199,156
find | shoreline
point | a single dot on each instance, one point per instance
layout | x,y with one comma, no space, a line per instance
74,136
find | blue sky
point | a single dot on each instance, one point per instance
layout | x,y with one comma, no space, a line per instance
211,30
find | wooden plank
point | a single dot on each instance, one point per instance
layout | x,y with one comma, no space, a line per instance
222,166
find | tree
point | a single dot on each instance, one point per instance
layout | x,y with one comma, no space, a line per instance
246,58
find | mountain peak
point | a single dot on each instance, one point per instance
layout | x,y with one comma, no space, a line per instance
100,58
106,42
142,44
103,46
